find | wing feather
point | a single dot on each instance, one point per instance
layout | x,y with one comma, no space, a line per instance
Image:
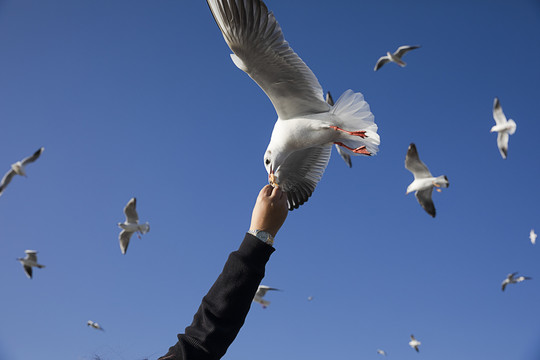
498,113
424,198
131,212
32,157
414,164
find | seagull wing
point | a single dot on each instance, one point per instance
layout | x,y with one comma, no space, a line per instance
6,180
503,285
415,165
260,50
28,271
498,114
131,212
402,50
124,240
303,170
502,143
382,60
32,157
424,198
31,255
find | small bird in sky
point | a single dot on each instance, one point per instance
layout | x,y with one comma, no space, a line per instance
346,157
310,298
131,225
307,126
29,261
18,169
395,57
503,127
414,343
381,352
423,180
94,325
533,236
512,279
261,292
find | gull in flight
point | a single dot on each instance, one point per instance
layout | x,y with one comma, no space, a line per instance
261,292
29,261
423,180
381,352
512,279
131,225
307,126
414,343
94,325
533,236
18,169
503,127
346,157
395,57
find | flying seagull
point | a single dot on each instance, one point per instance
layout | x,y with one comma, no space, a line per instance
29,261
414,343
307,126
512,279
341,151
94,325
423,180
381,352
395,57
261,292
533,236
503,127
18,169
131,225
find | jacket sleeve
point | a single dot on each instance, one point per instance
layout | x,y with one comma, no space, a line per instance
223,310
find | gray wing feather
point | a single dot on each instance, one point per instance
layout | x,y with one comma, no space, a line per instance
6,180
124,240
498,113
402,50
424,198
28,271
502,143
131,212
382,60
32,157
414,164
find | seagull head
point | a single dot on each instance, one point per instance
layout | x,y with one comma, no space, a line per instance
272,162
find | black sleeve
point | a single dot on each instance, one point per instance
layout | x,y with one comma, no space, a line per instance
225,307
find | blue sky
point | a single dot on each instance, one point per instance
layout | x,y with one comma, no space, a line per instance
140,98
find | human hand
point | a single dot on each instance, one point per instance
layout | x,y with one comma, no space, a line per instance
270,210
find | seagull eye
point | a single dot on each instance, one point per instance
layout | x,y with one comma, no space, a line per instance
267,161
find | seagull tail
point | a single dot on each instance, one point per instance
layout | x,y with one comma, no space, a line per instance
144,228
354,115
40,266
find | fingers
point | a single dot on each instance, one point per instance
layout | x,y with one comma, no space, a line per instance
266,191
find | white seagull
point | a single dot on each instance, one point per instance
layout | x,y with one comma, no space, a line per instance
512,279
131,225
503,127
261,292
533,236
29,261
307,126
395,57
423,180
381,352
18,169
346,157
94,325
414,343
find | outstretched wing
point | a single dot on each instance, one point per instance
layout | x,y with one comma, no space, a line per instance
502,143
424,198
6,180
33,157
303,170
498,114
260,50
124,240
415,165
382,60
402,50
131,212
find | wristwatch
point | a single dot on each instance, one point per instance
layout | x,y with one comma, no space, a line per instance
264,236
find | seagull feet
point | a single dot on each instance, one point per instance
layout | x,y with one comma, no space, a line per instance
359,150
360,133
437,187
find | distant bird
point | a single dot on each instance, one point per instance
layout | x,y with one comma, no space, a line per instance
18,169
346,157
306,128
512,279
261,292
381,352
310,298
423,180
533,236
503,127
414,343
395,57
95,325
131,225
29,261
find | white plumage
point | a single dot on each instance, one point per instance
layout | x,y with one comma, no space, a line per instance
131,225
503,127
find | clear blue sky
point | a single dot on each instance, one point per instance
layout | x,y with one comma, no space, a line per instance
140,98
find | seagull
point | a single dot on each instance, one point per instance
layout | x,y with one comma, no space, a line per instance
261,292
511,279
307,126
503,127
29,261
18,169
131,225
533,236
395,57
346,157
414,343
381,352
423,180
310,298
95,325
